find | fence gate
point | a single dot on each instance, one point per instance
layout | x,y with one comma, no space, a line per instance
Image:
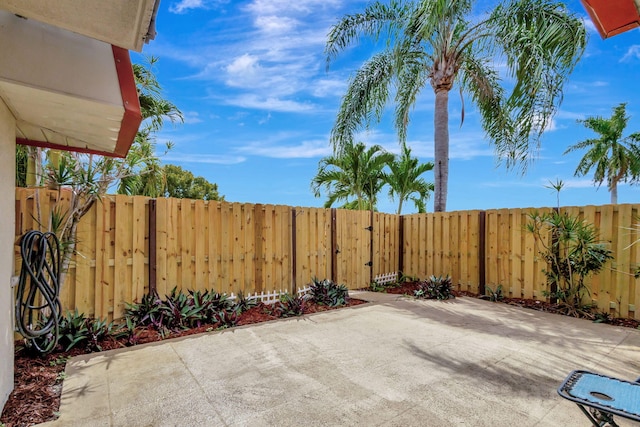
352,256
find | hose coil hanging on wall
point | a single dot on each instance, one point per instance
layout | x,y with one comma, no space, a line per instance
38,306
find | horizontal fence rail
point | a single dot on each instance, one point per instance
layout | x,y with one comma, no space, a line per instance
128,246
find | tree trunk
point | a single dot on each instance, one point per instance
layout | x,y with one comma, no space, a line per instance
441,150
614,193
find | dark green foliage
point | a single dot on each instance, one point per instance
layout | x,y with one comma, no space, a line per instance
219,302
180,311
226,319
290,306
377,287
73,329
573,253
145,313
243,303
99,330
493,295
328,293
183,184
435,288
602,317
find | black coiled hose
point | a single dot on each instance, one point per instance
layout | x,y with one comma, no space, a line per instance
37,302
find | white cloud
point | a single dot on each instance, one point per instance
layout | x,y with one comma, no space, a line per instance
243,71
304,149
632,53
271,57
577,183
589,25
284,7
322,88
203,158
275,24
184,6
257,102
191,117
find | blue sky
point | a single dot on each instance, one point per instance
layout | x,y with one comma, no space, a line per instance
259,105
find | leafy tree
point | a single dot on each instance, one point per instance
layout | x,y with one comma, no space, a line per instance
89,176
183,184
611,156
404,180
22,162
358,172
443,43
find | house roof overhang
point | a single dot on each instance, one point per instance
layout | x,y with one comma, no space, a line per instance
123,23
65,90
612,17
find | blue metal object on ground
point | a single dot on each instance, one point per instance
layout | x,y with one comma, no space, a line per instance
604,396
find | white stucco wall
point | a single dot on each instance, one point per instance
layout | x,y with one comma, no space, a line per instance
7,229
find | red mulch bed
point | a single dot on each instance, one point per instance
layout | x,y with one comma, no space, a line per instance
38,379
408,288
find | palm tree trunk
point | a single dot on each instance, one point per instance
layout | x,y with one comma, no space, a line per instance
400,206
614,193
441,150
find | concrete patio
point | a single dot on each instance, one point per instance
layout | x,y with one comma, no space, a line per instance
393,362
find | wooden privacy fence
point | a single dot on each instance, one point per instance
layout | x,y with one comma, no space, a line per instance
129,245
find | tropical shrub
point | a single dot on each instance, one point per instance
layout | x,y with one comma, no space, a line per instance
290,306
72,329
573,254
493,294
327,292
435,288
75,328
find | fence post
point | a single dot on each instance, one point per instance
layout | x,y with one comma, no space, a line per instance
334,246
293,252
482,258
259,215
401,246
152,246
556,253
371,247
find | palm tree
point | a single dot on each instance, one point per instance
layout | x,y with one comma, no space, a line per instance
404,180
441,43
357,172
612,156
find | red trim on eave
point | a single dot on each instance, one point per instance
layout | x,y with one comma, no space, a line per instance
612,17
43,144
132,115
131,119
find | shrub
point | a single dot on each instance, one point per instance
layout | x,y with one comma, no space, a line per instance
289,306
99,330
493,295
243,304
572,254
327,292
435,288
72,329
75,328
180,312
226,319
145,313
